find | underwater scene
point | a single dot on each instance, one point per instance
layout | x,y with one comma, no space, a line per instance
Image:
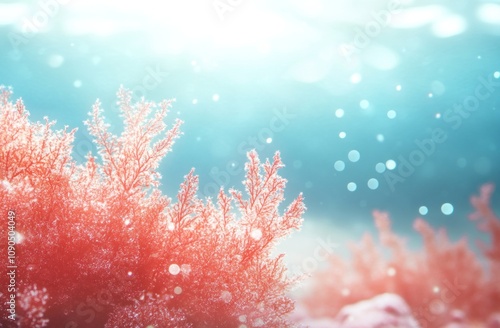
250,163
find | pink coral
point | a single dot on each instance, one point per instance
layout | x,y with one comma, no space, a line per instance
102,246
443,278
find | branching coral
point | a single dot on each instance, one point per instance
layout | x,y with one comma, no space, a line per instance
99,245
443,279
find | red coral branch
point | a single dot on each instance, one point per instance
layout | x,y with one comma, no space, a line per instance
106,248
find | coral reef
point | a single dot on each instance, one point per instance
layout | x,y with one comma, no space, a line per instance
444,283
99,245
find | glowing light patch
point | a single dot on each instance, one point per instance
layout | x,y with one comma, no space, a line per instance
11,13
339,113
450,25
489,13
364,104
390,164
355,78
381,58
55,61
391,272
342,135
418,16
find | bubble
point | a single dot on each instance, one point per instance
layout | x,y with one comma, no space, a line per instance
447,208
174,269
269,140
391,272
195,101
242,318
339,113
339,166
437,87
127,222
373,183
215,97
77,83
177,290
496,75
342,135
435,289
390,164
380,167
398,87
380,137
391,114
353,156
364,104
226,296
345,292
461,162
423,210
351,186
430,95
186,268
129,273
438,115
256,234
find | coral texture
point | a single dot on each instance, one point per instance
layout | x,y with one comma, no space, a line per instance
98,245
438,283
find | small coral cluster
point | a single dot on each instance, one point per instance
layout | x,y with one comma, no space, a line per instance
444,284
98,245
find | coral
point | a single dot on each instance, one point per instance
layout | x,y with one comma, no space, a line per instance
441,280
99,245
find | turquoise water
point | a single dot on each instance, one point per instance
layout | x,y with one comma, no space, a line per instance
322,83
